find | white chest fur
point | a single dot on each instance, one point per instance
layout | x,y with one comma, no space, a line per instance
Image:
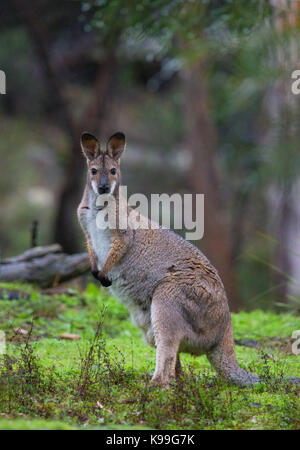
100,238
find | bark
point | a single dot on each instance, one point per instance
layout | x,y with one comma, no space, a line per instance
35,252
44,266
202,142
238,224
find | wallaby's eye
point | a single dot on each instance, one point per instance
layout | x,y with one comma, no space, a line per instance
94,171
113,171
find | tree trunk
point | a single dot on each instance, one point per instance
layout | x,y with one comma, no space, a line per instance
44,266
202,142
281,259
65,226
65,230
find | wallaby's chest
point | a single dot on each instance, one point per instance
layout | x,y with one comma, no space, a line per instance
100,238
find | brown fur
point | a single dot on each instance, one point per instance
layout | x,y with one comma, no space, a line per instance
172,291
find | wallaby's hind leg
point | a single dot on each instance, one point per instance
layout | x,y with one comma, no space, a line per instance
223,359
168,332
165,362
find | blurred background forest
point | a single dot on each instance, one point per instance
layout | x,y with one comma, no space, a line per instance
202,90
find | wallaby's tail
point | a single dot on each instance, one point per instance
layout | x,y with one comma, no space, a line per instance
224,361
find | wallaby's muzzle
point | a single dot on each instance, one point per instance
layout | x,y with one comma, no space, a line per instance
103,189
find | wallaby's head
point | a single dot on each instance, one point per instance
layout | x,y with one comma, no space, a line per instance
103,164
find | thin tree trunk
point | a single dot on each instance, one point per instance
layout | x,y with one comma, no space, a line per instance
202,142
72,188
281,257
65,226
29,14
281,108
238,224
37,31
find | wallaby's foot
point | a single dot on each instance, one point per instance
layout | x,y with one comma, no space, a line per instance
242,378
165,370
223,359
106,282
161,381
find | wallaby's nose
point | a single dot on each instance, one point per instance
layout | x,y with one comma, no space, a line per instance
103,189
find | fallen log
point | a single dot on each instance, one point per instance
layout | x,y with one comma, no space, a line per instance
35,252
45,266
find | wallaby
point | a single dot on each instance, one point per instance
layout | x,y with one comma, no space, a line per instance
173,293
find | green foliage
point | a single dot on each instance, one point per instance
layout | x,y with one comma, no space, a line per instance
102,381
166,19
248,64
263,324
18,69
248,60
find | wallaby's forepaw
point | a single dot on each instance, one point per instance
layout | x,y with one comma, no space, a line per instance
106,282
102,278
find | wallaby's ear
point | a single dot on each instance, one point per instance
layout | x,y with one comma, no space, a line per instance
116,145
90,146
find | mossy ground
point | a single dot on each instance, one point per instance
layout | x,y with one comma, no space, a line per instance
102,380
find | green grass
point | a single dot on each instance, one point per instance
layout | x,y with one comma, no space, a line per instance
102,380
